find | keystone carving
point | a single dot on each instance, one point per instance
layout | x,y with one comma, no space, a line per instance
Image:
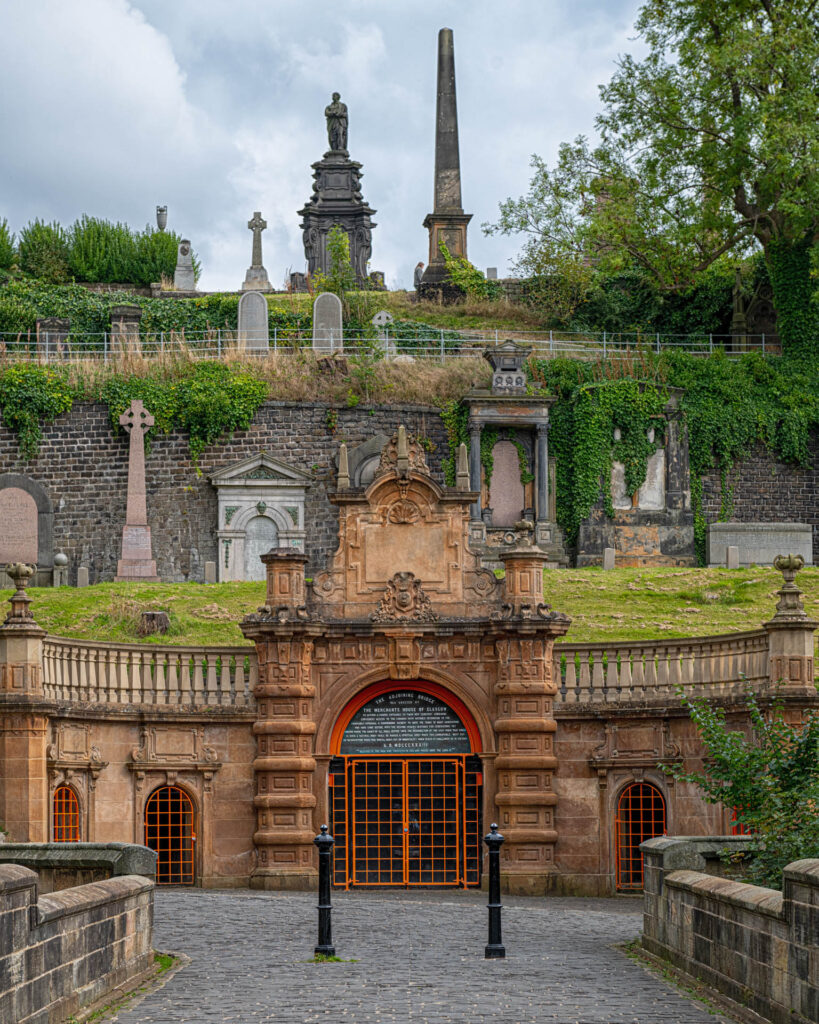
404,600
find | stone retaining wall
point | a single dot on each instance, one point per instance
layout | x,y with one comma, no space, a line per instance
758,946
64,865
65,951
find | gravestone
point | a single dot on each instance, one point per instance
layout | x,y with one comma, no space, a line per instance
260,536
254,332
298,282
491,273
82,576
52,336
183,277
19,540
60,570
210,572
608,558
256,278
125,329
327,330
732,556
381,322
505,487
137,562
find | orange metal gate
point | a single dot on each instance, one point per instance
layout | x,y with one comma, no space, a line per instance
406,820
640,816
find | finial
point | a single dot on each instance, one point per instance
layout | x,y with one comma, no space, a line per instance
402,452
789,605
343,469
21,574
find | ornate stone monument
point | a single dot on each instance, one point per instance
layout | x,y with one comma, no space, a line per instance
337,199
184,279
256,278
447,222
136,563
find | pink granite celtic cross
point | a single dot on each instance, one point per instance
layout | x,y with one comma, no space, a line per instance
136,562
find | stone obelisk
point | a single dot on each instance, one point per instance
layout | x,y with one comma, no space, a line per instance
447,223
137,562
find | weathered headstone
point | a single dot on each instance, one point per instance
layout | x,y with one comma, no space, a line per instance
60,570
52,336
183,277
125,329
505,488
136,562
491,273
732,556
82,576
210,572
298,282
19,538
381,322
256,278
327,331
254,334
608,558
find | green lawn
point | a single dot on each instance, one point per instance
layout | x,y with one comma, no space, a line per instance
624,604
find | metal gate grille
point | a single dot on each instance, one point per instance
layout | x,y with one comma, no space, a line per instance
66,824
640,816
406,821
169,831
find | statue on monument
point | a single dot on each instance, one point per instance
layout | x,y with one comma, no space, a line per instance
336,114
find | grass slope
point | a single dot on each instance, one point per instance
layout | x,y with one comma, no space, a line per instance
625,604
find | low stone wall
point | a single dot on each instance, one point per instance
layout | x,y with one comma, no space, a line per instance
758,946
65,951
64,865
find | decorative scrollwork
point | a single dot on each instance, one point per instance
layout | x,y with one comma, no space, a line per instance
404,600
404,511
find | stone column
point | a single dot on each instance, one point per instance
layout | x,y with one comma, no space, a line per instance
284,765
525,727
542,470
23,719
790,634
475,468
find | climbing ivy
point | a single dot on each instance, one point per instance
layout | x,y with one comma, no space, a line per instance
31,395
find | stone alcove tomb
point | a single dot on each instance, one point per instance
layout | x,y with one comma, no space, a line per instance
260,506
28,521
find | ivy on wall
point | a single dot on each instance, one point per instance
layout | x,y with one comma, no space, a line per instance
31,395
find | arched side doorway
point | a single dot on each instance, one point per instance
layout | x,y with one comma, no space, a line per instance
405,789
640,815
65,815
169,831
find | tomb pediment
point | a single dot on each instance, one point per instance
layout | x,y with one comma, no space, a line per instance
258,467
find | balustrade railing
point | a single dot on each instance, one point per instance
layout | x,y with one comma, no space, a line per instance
107,673
646,670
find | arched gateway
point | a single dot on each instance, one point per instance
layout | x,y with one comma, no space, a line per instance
405,788
405,695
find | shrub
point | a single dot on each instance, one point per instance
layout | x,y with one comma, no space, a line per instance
8,253
44,251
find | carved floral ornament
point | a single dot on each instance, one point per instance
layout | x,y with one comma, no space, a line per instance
403,453
404,600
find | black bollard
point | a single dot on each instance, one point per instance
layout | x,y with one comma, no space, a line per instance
325,946
495,950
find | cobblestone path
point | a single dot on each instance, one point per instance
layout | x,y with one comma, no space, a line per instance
419,959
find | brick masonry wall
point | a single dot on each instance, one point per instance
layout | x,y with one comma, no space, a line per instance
758,946
69,949
83,466
768,491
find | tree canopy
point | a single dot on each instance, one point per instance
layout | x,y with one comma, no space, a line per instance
708,145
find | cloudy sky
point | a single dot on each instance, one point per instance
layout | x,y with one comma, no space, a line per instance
215,108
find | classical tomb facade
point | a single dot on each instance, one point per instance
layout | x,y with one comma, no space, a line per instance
404,694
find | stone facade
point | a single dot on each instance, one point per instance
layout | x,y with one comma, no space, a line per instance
64,951
757,946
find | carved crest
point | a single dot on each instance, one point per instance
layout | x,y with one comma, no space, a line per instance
400,449
404,599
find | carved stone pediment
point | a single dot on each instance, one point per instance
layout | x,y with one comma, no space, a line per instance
392,458
404,600
635,743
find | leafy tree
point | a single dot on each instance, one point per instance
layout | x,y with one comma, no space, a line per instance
708,145
8,252
44,251
770,778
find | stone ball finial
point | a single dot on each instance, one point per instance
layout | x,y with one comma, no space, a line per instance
60,559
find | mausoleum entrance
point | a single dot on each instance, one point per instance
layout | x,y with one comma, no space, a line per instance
406,789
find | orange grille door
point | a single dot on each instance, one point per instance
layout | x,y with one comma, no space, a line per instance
66,816
169,831
640,816
406,821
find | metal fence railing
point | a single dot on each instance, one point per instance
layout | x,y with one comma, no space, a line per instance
55,347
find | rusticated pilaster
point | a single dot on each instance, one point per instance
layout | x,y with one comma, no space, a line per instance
525,765
284,766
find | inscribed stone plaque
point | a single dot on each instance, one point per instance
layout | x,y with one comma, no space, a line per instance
405,547
327,336
652,493
253,323
505,488
260,537
405,722
19,536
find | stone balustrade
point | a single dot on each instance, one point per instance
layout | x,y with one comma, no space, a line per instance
646,670
127,674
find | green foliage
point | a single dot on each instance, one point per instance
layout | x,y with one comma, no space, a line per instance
44,251
467,277
102,251
455,417
708,145
769,778
357,304
8,250
29,396
210,400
